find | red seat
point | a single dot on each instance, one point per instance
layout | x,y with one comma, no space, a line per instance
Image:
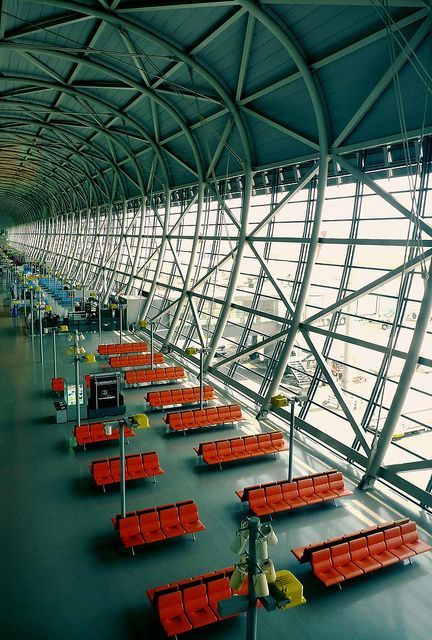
115,470
188,420
224,451
177,396
197,607
170,522
336,484
258,504
275,499
218,590
82,434
150,527
291,495
212,415
323,568
171,613
97,432
209,453
200,418
360,555
101,473
322,488
175,421
410,538
135,468
306,491
189,519
129,532
251,445
238,448
278,442
151,464
57,384
378,550
395,545
342,562
265,443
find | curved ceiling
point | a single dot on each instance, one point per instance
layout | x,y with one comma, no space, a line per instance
106,99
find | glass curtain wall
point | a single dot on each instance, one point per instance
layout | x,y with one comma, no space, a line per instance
369,254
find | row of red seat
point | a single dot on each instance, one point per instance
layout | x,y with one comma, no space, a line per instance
125,347
240,448
158,375
192,603
367,553
137,465
144,359
57,384
198,418
158,523
94,432
172,397
283,495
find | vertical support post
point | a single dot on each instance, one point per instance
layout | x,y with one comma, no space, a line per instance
54,352
100,317
76,358
291,441
25,303
151,344
122,469
201,378
121,323
31,315
381,444
40,329
251,622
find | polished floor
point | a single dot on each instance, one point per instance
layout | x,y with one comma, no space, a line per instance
64,576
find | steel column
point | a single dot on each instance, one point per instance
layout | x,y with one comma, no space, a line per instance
291,440
54,352
301,302
121,427
381,444
252,610
235,272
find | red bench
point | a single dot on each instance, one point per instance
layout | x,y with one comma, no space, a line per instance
244,447
143,359
344,557
57,385
192,603
158,523
199,418
275,497
154,376
137,465
173,397
125,347
94,432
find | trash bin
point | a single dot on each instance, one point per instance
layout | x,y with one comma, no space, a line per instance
60,411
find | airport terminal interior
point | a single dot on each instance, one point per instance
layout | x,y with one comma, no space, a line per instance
215,319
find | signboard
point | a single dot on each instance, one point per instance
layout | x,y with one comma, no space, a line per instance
71,395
